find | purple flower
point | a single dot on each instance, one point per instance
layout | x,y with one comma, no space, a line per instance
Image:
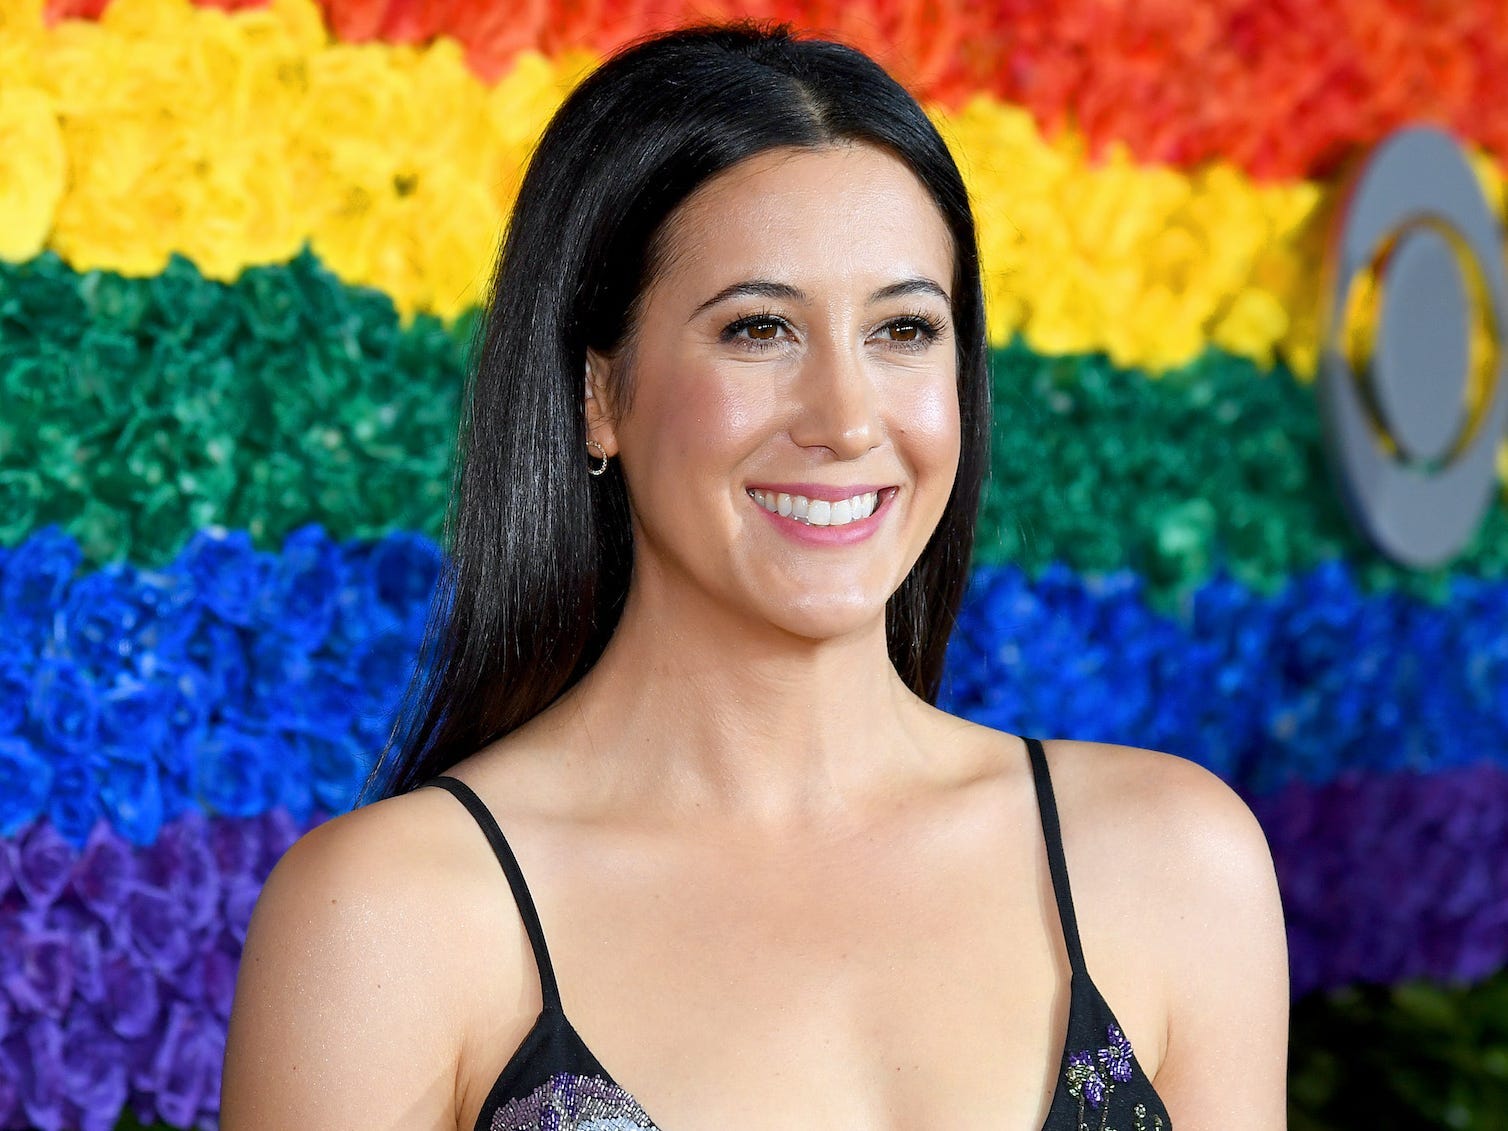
236,845
43,1094
25,782
43,864
1116,1058
37,972
214,978
105,872
184,1073
10,1083
82,930
182,866
131,1002
154,926
241,894
94,1066
1083,1081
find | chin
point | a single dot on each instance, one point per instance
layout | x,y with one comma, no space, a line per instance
829,619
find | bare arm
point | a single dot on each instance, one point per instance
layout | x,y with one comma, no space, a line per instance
1226,1063
343,1015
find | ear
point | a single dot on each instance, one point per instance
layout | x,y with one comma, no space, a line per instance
599,409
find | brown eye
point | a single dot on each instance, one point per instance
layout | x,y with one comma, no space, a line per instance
904,331
757,331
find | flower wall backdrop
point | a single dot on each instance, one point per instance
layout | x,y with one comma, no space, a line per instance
241,247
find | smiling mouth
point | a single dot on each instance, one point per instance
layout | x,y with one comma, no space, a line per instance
821,512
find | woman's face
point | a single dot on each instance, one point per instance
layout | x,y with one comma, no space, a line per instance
794,369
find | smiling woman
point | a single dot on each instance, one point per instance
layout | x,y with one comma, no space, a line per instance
723,447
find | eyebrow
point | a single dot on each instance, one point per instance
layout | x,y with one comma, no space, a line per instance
768,288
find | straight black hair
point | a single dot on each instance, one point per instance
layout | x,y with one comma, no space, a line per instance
540,552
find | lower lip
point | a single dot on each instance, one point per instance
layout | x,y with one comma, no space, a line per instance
845,535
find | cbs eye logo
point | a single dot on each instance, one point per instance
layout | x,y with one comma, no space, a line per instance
1412,374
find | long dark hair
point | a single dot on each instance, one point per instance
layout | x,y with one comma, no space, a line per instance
540,552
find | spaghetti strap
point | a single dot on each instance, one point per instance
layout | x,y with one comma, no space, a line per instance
1056,863
548,991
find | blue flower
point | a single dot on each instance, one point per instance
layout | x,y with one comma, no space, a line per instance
73,808
35,578
300,597
25,782
101,620
65,707
15,681
237,771
130,793
134,716
399,577
225,571
339,765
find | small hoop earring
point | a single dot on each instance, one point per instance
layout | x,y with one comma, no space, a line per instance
601,467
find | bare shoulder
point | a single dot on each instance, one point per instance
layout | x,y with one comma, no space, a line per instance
1194,881
1166,808
350,1005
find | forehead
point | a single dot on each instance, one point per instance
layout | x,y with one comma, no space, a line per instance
844,212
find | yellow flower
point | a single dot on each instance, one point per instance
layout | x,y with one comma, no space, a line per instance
33,170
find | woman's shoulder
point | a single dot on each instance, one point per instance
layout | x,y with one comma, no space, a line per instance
1168,810
1146,798
353,991
1150,835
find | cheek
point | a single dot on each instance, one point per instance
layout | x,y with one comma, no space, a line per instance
701,422
929,431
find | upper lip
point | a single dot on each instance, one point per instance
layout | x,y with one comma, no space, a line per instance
821,490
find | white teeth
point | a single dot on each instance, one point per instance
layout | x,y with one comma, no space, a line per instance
818,512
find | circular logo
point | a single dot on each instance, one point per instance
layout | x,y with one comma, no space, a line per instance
1413,367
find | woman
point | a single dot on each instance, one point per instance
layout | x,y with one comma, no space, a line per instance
721,460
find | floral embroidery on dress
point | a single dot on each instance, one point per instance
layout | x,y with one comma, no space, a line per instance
1091,1077
567,1102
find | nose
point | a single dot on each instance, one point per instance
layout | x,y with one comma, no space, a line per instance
837,406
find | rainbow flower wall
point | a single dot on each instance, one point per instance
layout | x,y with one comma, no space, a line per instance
240,252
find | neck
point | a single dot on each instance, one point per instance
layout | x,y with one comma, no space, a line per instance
696,708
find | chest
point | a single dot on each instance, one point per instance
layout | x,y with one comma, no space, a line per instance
878,990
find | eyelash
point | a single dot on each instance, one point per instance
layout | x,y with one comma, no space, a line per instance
928,328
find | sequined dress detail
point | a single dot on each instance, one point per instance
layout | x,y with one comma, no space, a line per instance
553,1082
